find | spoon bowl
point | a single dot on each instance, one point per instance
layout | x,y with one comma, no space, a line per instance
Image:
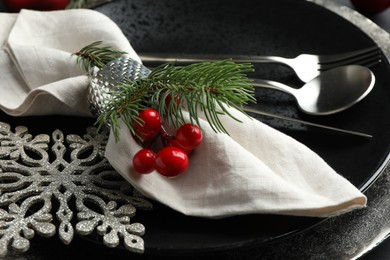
332,91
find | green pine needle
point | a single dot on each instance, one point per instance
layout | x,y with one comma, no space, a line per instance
96,55
77,4
208,87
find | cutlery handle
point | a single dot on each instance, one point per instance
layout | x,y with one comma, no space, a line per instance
261,83
187,58
295,120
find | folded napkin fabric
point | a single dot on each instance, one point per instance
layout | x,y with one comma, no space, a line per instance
39,74
255,169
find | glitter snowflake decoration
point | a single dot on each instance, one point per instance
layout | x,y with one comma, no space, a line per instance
34,180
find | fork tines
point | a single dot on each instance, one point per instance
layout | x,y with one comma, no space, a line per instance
365,57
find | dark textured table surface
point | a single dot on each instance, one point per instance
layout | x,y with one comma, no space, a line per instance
382,251
379,204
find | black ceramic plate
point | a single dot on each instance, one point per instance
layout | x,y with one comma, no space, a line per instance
268,27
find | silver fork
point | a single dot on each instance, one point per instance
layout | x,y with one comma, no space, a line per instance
306,66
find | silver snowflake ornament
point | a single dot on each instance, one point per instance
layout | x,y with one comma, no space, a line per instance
36,172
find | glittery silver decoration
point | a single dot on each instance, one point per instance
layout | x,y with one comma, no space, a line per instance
105,81
32,179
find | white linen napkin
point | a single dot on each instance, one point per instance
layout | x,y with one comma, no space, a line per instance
39,75
256,169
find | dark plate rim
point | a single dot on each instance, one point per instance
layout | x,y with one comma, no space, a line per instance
379,36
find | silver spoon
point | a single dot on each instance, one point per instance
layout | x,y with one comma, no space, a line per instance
332,91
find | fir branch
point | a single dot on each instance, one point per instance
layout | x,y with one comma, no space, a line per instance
208,87
125,104
95,55
77,4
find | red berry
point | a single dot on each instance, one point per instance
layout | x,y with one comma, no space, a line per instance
143,161
171,161
150,124
189,136
173,142
168,100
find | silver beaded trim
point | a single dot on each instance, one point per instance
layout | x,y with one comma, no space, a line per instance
105,80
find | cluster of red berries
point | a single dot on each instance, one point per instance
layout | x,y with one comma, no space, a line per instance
172,159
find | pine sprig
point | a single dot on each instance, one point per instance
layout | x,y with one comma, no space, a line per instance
125,103
75,4
208,88
96,55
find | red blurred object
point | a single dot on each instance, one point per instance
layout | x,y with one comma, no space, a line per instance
41,5
370,7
